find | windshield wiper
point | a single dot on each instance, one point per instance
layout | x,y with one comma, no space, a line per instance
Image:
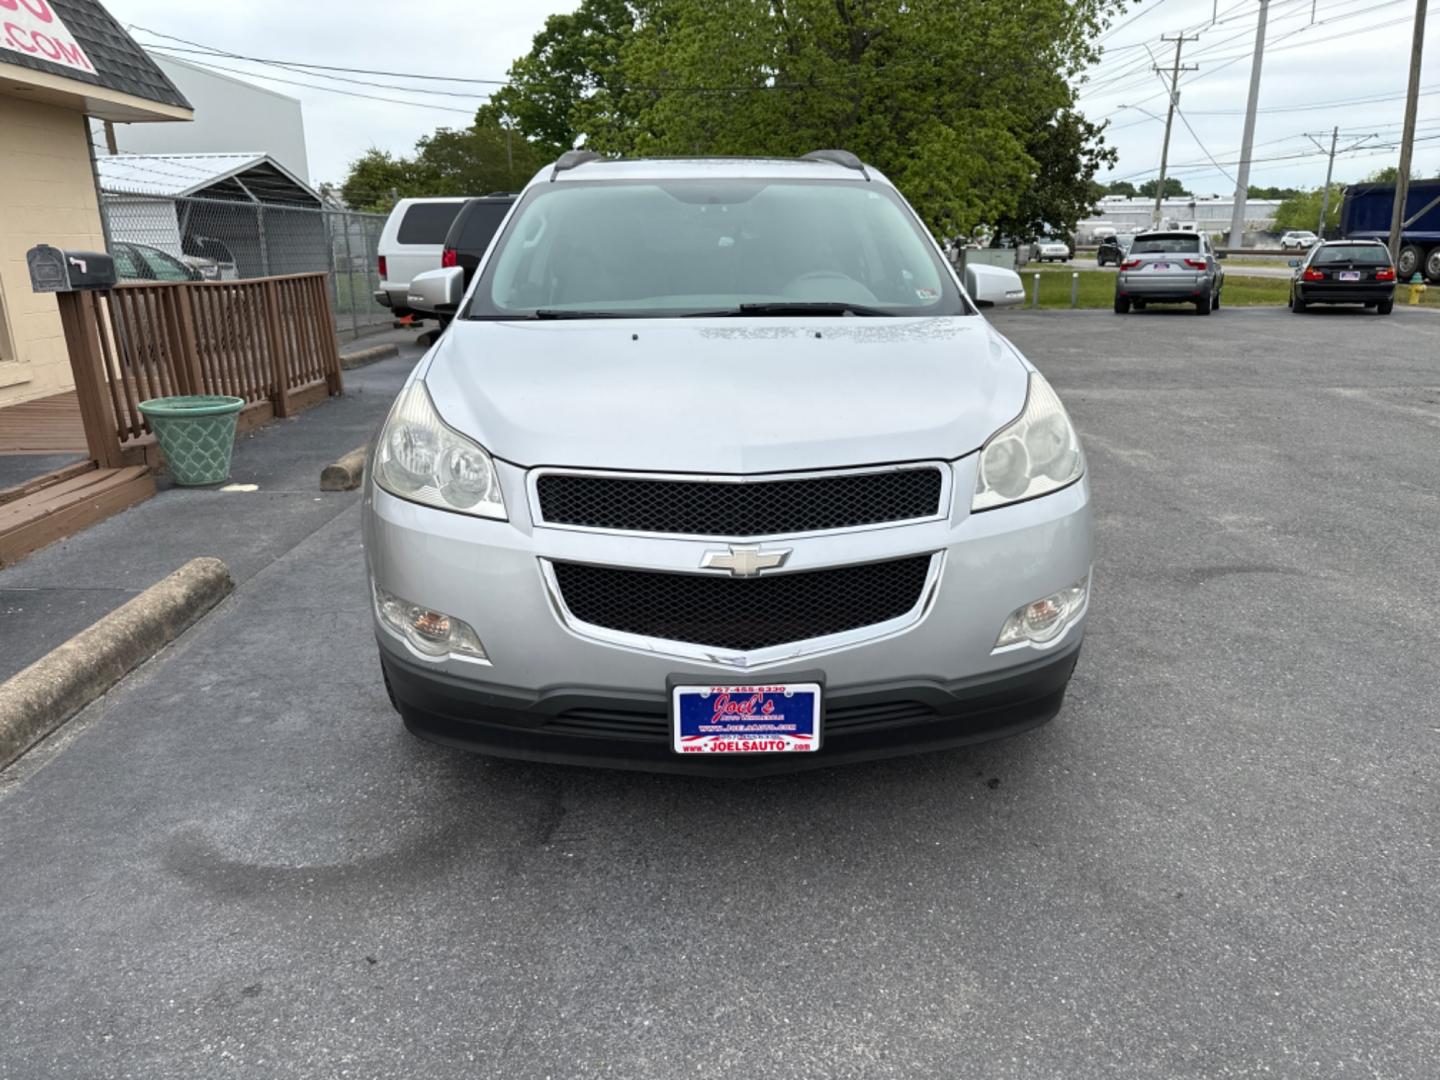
569,313
809,307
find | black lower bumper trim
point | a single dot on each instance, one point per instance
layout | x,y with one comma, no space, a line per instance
588,727
1351,294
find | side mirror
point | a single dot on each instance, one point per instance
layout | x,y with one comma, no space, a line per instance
993,286
437,291
1294,262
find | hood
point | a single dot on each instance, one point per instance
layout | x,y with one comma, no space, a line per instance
726,395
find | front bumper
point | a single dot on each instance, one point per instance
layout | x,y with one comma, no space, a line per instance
586,726
494,576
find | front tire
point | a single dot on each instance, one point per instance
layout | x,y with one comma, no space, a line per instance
1122,306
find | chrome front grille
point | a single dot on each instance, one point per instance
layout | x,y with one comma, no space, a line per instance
748,507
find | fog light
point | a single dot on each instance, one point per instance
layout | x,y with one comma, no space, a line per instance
1045,619
430,632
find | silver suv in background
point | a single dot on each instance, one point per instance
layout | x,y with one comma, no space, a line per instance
1172,267
719,470
411,242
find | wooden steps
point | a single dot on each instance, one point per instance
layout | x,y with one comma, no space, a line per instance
41,513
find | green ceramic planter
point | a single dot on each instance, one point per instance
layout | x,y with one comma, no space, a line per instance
196,434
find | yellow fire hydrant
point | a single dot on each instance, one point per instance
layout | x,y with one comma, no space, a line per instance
1417,288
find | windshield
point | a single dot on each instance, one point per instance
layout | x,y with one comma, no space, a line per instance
1359,254
1166,245
713,246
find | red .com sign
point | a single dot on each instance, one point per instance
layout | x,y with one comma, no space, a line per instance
33,28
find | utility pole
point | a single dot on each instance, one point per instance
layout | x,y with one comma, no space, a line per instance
1329,172
1175,70
1242,178
1330,169
1407,141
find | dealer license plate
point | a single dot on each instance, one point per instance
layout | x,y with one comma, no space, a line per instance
1159,266
1349,275
760,719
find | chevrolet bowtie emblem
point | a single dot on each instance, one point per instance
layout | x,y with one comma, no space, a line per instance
744,560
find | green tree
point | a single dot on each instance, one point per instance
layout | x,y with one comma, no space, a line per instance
573,59
953,102
1121,187
1059,193
1254,192
1174,189
375,179
1302,210
477,160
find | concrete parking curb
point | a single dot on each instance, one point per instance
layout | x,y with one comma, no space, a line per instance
345,474
37,700
361,357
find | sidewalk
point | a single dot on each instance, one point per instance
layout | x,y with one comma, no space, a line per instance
60,590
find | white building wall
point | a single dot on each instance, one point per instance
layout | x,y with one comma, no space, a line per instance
1212,215
230,115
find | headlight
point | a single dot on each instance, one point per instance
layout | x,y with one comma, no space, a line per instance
422,460
1035,454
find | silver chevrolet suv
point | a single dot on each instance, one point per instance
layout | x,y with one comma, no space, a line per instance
718,470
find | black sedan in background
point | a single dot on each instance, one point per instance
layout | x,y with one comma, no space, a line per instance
1344,272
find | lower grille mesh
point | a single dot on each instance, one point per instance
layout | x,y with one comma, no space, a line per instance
742,613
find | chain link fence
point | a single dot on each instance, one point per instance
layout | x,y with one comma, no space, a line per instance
167,239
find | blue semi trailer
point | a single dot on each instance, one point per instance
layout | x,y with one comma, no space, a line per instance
1365,214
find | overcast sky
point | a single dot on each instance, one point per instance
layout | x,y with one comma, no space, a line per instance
1355,49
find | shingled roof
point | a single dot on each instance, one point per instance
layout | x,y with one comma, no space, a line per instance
120,64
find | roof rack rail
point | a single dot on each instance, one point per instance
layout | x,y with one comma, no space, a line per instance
571,159
837,157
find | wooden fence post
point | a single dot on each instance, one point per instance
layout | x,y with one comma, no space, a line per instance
329,341
279,369
187,344
82,341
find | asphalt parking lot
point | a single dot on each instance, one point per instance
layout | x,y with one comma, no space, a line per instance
1219,861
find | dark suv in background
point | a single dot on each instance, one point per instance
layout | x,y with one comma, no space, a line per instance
473,228
470,234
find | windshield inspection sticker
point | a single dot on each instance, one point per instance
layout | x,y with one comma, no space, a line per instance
928,294
781,719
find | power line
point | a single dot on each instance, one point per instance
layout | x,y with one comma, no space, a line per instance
1133,18
212,50
1225,62
332,89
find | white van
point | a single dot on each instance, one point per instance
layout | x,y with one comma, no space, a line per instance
410,244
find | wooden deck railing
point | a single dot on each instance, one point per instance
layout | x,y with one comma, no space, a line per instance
270,341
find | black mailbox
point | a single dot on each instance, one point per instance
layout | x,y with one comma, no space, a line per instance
53,270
